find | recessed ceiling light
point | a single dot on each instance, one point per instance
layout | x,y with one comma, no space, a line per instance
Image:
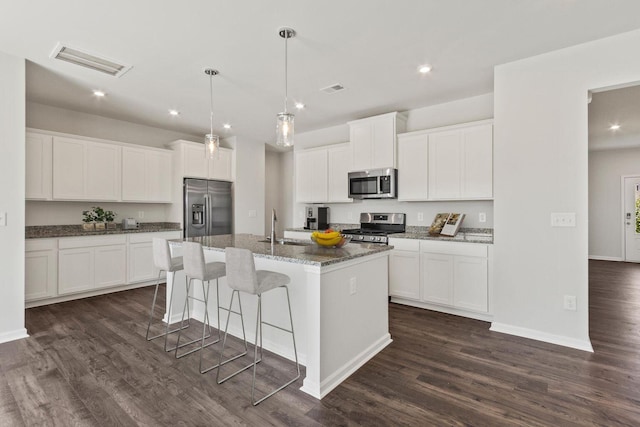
299,105
174,112
226,126
614,127
424,69
99,93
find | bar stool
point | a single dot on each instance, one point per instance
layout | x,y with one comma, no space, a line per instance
243,277
164,262
196,268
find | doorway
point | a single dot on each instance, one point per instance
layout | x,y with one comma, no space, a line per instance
631,224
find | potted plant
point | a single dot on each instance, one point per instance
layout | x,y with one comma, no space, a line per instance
88,218
109,216
99,215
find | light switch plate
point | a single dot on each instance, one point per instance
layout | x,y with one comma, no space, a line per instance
563,219
253,213
482,217
3,219
420,216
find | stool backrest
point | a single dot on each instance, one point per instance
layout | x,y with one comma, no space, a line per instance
193,260
161,254
241,270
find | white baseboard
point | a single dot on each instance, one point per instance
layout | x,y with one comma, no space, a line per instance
13,335
605,258
584,345
321,390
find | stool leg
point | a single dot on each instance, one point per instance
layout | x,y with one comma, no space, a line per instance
205,325
224,342
184,308
255,347
153,306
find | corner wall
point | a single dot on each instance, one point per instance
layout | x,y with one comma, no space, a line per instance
12,172
540,167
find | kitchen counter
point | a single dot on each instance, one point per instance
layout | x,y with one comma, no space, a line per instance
53,231
305,253
462,236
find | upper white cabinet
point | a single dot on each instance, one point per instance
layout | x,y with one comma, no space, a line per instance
146,175
311,176
85,170
193,163
39,159
373,140
452,163
339,163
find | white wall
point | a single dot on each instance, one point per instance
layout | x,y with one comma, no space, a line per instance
249,187
464,110
12,172
62,213
278,189
540,166
605,199
41,116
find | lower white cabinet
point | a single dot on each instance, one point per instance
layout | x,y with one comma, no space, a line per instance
141,267
446,276
41,268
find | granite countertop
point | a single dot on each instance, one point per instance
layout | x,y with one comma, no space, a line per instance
306,253
468,235
53,231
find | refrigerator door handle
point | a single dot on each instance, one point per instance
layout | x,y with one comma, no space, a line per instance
207,212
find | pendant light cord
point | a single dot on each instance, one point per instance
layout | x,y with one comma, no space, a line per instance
211,101
286,38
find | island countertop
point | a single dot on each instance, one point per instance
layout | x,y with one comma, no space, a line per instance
311,253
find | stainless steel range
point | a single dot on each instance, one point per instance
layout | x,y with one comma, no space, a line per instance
376,227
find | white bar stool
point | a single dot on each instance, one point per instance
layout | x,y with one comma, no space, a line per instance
196,268
243,277
164,262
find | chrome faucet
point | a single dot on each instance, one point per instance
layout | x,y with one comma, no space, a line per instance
274,218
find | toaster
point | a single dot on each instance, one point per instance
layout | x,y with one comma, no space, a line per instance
130,224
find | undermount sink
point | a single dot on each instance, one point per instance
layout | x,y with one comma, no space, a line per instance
290,242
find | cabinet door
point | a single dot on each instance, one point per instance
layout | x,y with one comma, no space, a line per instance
470,283
319,176
195,162
38,164
437,278
413,179
445,152
141,266
158,176
133,174
404,274
304,176
41,270
477,169
110,265
221,168
75,270
361,140
69,163
339,161
102,172
383,143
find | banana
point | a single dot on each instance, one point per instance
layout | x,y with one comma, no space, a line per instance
326,236
329,242
327,239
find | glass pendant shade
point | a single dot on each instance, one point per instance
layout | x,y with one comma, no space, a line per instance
285,130
211,146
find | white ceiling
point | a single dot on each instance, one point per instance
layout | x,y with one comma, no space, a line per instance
372,47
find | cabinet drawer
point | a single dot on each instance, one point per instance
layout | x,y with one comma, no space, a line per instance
148,237
405,244
31,245
89,241
454,248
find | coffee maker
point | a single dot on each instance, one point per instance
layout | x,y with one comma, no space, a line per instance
316,218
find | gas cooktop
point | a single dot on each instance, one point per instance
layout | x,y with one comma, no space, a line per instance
375,227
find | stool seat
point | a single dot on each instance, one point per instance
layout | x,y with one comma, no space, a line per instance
212,271
176,264
268,280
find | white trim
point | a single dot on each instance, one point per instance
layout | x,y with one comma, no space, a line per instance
606,258
321,390
623,194
89,294
584,345
485,317
13,335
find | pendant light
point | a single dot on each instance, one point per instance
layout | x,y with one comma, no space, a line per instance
285,127
211,141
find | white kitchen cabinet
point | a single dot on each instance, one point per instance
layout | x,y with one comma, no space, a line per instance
311,176
89,263
141,267
373,140
461,163
38,164
146,175
86,170
339,161
470,283
41,269
221,167
196,165
404,269
413,155
437,278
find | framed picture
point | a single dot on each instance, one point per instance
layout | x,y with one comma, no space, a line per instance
454,221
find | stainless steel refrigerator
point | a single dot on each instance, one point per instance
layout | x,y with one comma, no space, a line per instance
208,208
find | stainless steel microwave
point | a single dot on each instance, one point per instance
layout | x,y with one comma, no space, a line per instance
374,184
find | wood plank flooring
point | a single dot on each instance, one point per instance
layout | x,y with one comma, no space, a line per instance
87,363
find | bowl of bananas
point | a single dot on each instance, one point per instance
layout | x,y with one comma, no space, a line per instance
329,238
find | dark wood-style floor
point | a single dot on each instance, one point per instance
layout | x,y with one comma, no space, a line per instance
87,363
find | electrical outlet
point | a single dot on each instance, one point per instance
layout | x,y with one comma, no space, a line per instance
352,286
570,302
420,216
3,219
253,213
563,219
482,217
140,214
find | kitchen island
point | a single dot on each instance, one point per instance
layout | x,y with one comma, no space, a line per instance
339,303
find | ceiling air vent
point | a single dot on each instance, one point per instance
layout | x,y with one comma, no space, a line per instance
333,88
87,60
